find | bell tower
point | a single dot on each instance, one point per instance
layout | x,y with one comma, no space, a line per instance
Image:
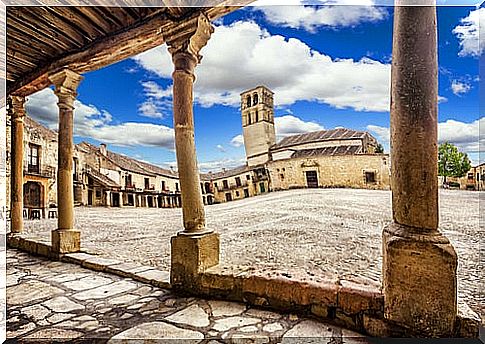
257,111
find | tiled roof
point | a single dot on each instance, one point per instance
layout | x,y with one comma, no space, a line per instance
332,150
317,136
101,178
229,173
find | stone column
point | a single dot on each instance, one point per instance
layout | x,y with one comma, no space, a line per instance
195,248
121,199
65,239
419,263
108,198
17,111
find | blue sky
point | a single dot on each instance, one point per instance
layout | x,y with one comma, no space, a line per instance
328,67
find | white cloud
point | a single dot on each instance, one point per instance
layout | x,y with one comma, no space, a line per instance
89,121
310,18
150,110
288,66
466,136
460,88
221,148
290,125
237,141
217,165
468,33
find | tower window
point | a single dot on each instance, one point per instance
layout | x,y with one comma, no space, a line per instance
255,99
249,117
248,101
256,119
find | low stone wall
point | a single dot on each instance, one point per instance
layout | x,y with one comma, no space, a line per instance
354,304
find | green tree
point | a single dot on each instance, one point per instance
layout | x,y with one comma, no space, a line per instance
451,162
379,148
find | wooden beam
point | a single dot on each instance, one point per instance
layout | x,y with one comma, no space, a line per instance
115,47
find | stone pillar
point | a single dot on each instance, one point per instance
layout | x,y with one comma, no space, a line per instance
419,263
17,112
121,199
195,248
65,239
108,198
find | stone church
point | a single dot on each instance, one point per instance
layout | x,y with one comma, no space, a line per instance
322,159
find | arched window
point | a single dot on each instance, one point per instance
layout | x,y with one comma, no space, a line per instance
256,119
255,99
249,117
248,101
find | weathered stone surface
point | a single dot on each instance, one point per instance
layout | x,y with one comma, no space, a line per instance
193,315
54,333
356,297
161,278
240,338
125,269
36,312
308,329
76,257
67,277
248,329
224,308
105,290
225,324
468,321
89,282
376,327
66,241
274,327
157,330
58,317
419,280
62,304
98,263
264,314
29,291
123,299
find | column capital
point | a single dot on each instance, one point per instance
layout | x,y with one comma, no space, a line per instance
17,107
186,45
65,82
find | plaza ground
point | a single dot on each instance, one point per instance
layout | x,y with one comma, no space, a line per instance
335,231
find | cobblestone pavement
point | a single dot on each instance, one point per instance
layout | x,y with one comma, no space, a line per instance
52,300
329,230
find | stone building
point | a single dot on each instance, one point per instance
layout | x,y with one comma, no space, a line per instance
473,180
327,158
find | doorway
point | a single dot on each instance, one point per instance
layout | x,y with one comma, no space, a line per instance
311,179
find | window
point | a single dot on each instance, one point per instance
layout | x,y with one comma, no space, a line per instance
225,184
282,176
177,187
237,193
215,185
262,188
98,193
370,177
33,158
478,176
248,102
256,117
470,176
163,185
255,99
128,183
249,117
147,183
228,197
246,193
248,177
238,181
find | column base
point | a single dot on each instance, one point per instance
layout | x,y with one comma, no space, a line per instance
66,241
191,255
419,280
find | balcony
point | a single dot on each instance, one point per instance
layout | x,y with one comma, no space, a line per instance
150,187
232,187
40,171
129,186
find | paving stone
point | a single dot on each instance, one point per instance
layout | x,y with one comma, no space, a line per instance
98,263
143,291
274,327
225,324
263,314
36,312
106,291
58,317
54,333
14,279
128,268
126,316
66,277
62,304
240,338
224,308
77,257
247,329
153,330
161,277
88,282
193,316
123,299
21,330
30,291
308,330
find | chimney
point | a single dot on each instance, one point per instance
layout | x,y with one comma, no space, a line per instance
102,149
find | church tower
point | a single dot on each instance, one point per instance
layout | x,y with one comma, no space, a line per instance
258,124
